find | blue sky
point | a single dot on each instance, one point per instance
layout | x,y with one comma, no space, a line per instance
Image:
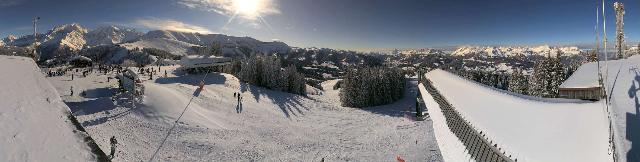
341,24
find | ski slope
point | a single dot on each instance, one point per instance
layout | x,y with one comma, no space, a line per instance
33,119
527,128
268,126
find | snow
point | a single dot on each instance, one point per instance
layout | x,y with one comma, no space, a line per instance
492,51
451,147
529,130
83,58
192,61
585,77
109,35
33,121
172,46
269,126
623,86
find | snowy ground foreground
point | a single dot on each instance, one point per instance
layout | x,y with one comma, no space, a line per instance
624,80
33,123
452,149
530,130
269,126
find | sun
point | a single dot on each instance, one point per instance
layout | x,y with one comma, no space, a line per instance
249,8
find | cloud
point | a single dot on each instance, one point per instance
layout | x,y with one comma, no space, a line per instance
172,25
7,3
229,7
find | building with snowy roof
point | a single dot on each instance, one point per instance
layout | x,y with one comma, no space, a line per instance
200,64
583,84
80,61
473,122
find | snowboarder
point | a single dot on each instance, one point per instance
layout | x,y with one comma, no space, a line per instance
114,142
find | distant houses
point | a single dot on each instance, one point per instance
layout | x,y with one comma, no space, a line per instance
583,84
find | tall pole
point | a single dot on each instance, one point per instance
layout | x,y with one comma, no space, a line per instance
35,38
606,55
619,8
597,50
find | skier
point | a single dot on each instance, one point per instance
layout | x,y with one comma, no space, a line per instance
71,76
165,73
71,90
114,142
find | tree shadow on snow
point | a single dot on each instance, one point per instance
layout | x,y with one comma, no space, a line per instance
91,106
633,121
401,108
288,103
212,78
103,104
100,92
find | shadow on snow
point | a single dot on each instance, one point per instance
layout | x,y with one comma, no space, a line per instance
633,121
405,107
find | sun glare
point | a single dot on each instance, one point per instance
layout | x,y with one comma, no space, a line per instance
249,8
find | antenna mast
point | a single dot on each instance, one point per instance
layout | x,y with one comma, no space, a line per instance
619,7
35,38
606,55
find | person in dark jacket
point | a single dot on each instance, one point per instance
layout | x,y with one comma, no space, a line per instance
114,143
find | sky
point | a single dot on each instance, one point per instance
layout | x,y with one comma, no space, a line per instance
339,24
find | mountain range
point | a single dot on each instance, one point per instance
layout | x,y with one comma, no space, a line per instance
70,39
494,51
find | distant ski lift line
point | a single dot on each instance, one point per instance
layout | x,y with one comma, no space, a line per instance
176,122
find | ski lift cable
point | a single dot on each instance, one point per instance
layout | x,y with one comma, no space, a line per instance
175,122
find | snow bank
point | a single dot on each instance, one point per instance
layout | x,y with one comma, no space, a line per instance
450,146
529,130
33,123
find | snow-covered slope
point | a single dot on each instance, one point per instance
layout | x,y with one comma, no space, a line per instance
267,126
624,89
170,45
108,35
33,124
527,128
492,51
68,39
69,35
228,43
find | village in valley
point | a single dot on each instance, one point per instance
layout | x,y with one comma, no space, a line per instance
165,90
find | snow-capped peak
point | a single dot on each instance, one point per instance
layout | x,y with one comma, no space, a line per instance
107,35
493,51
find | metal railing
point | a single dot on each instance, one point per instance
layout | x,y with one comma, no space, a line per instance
477,145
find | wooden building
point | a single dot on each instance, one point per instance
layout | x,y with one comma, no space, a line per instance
583,84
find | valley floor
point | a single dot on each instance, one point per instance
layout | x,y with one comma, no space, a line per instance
268,126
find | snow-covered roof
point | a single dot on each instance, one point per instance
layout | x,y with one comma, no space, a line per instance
529,128
585,77
80,58
202,61
33,123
